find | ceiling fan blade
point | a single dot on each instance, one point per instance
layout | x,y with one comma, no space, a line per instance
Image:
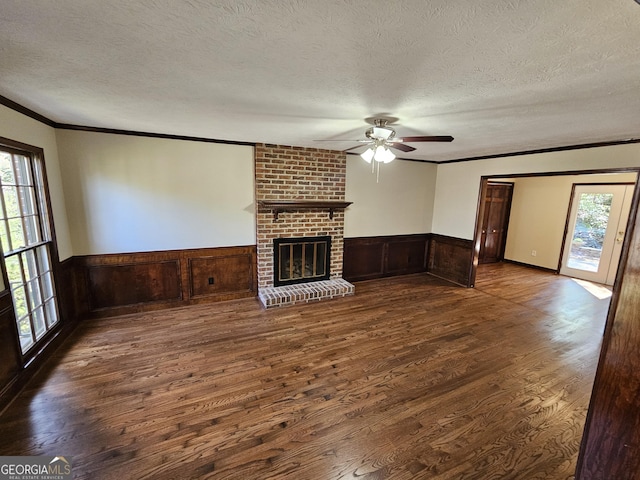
402,146
352,148
431,138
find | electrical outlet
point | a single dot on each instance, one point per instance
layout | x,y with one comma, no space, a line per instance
210,280
533,253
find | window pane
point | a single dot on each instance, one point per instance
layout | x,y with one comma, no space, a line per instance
17,234
39,176
41,200
23,176
32,230
43,259
588,234
4,237
11,203
45,231
29,265
6,169
27,200
47,285
51,312
38,322
24,328
20,302
35,298
14,271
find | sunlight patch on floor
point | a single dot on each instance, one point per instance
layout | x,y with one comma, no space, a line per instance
599,291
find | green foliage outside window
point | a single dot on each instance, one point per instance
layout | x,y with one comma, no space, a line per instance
592,219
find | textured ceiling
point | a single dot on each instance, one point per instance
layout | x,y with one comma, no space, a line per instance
499,75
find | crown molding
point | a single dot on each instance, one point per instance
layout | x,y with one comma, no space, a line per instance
64,126
544,150
7,102
115,131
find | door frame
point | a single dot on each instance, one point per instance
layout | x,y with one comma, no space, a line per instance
570,208
484,180
505,230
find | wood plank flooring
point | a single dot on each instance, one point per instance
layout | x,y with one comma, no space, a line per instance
410,378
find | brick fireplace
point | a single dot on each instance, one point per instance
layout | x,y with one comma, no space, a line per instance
306,182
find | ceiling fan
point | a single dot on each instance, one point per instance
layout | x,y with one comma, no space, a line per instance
381,137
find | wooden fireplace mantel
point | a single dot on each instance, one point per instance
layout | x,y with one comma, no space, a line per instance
278,206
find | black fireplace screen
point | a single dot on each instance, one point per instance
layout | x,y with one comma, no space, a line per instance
300,260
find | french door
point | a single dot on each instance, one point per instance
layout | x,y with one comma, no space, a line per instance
26,238
595,233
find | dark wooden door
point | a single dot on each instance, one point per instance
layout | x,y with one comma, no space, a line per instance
497,204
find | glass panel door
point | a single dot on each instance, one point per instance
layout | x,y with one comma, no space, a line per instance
596,225
592,218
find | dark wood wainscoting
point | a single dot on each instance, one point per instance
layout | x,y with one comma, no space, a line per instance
10,359
128,284
366,258
133,282
451,258
71,290
222,276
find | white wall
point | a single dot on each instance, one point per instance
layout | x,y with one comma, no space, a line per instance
133,194
19,127
458,184
539,213
126,193
400,203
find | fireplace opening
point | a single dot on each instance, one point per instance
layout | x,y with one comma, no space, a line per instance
300,260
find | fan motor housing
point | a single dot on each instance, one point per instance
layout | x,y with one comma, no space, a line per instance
380,133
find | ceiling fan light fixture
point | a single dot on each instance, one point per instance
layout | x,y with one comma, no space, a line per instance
383,154
381,138
368,154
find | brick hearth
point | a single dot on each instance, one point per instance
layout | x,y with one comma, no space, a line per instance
305,292
296,173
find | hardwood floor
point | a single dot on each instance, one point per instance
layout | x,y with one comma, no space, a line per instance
410,378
